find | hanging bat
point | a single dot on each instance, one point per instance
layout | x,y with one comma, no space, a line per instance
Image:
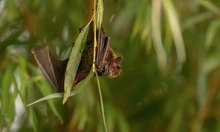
107,63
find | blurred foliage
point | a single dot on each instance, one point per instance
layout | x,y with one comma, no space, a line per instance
171,66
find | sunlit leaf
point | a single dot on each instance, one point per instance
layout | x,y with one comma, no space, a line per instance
74,61
100,10
21,75
156,24
176,31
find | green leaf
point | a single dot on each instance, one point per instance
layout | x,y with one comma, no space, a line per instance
176,30
156,32
13,12
211,63
74,61
211,33
45,90
11,101
5,88
209,5
33,119
22,73
77,89
115,119
100,10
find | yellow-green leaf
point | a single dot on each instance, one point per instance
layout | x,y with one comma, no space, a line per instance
74,60
100,10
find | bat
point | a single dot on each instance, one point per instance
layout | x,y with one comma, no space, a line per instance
107,63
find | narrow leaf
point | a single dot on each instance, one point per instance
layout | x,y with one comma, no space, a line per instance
45,90
33,119
157,38
6,87
210,5
176,31
100,10
77,89
74,61
212,33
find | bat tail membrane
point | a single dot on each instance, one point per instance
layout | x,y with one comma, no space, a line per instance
52,68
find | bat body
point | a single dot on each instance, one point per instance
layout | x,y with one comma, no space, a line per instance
107,63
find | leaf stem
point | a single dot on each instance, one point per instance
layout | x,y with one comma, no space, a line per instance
94,30
101,102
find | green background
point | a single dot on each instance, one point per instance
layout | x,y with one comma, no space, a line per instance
171,94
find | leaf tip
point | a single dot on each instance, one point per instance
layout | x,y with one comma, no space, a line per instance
65,98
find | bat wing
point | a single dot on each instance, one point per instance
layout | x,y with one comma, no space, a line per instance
103,43
52,69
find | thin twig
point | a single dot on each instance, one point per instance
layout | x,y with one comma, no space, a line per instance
94,30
